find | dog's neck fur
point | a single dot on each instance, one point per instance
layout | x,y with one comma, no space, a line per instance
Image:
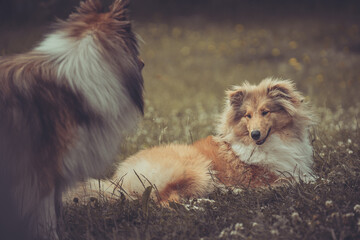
292,158
81,64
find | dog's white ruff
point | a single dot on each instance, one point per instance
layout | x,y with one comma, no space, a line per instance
282,157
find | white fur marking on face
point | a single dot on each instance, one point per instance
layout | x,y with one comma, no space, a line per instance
291,157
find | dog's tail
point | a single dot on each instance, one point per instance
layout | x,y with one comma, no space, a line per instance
174,172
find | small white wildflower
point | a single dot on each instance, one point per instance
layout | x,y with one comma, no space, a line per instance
322,154
193,207
340,143
329,204
205,200
274,232
237,191
255,224
350,151
349,215
222,234
239,227
324,146
357,208
349,141
295,217
234,233
198,208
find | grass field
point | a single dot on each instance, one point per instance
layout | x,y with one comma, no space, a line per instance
190,61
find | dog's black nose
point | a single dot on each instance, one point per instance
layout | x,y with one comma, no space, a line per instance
255,134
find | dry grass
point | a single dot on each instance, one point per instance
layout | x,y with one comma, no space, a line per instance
189,64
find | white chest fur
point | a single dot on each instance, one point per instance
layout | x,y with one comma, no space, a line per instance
282,157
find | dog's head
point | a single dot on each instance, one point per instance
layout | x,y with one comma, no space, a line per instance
111,32
253,113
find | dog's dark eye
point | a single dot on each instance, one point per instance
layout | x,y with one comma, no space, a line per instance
141,63
248,115
264,113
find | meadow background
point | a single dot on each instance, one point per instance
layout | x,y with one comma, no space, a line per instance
195,50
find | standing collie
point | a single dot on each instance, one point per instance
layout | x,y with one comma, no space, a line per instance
262,138
64,108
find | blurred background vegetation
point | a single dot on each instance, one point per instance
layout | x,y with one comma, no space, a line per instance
42,10
194,50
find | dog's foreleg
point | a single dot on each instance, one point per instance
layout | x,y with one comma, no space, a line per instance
44,218
58,200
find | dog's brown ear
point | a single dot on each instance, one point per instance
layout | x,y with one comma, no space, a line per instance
89,6
236,96
284,94
284,89
280,89
120,10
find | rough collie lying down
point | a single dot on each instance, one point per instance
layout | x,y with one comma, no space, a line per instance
64,108
262,139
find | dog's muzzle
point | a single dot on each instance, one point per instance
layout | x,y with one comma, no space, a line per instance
262,141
